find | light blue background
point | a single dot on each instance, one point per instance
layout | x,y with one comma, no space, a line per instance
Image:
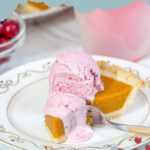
8,6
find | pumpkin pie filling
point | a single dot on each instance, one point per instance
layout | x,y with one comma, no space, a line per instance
55,125
114,95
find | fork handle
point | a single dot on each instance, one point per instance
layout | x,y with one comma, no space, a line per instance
139,130
145,130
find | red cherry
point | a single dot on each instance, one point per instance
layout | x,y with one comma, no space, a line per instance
138,140
147,147
3,40
10,28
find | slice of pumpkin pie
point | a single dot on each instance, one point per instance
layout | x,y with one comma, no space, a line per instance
120,87
32,7
75,84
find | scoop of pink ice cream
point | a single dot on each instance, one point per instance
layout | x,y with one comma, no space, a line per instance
76,73
64,101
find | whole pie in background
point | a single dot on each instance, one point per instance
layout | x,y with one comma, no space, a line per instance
32,7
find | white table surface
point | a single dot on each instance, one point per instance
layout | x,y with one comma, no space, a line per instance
48,38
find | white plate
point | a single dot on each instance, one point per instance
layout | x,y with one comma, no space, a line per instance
23,95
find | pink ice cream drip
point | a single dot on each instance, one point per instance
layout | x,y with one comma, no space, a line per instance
74,79
76,73
77,137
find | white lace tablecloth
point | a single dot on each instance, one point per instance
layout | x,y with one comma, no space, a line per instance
48,38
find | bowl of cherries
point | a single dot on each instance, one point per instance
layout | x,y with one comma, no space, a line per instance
12,35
